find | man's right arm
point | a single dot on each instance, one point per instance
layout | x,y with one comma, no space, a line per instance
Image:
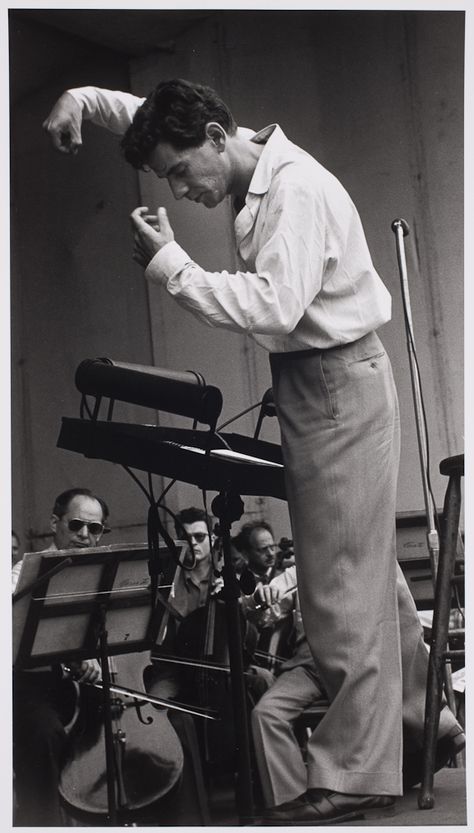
111,109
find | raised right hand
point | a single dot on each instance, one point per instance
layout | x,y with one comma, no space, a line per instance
64,124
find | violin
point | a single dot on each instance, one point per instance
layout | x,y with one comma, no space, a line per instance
148,756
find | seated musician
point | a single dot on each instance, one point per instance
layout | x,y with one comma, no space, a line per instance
256,544
15,548
40,695
283,767
190,591
279,756
16,559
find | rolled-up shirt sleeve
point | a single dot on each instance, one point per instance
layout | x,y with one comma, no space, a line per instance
288,270
112,109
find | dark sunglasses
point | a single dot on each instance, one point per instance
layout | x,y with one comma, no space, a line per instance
94,527
199,537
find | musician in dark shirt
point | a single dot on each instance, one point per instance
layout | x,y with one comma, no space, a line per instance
189,592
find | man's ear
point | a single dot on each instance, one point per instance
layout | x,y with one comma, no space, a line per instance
53,523
216,133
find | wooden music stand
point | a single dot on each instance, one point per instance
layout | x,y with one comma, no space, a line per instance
78,604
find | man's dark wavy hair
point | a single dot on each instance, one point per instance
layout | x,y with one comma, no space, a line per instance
177,112
190,516
242,540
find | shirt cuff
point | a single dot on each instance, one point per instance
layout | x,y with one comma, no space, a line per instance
168,263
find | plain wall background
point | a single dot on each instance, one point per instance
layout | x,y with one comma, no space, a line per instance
377,97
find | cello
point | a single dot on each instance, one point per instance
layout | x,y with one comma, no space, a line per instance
203,642
147,753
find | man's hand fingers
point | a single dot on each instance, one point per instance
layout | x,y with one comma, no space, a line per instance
163,222
137,216
140,258
90,671
62,139
64,124
151,232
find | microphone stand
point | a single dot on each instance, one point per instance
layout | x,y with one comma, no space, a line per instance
228,507
401,229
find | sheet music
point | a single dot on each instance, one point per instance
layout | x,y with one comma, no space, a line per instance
236,456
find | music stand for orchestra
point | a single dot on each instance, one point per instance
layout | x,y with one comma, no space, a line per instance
224,464
78,604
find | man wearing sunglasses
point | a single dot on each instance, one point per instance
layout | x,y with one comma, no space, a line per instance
189,592
44,698
78,520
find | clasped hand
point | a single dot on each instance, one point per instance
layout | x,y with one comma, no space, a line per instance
151,233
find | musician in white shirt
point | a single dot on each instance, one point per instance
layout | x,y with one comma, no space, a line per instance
308,292
256,543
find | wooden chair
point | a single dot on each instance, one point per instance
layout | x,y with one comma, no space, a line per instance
453,468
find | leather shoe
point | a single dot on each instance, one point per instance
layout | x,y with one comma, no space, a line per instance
446,749
318,807
289,811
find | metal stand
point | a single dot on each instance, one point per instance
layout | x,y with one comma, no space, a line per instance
438,665
111,762
228,507
401,230
439,655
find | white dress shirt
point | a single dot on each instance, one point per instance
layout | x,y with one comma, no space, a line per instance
307,277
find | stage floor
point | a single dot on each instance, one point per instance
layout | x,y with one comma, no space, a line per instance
450,806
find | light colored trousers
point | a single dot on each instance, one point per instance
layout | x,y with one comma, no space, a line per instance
339,421
282,771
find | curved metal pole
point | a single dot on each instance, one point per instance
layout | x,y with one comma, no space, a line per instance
401,230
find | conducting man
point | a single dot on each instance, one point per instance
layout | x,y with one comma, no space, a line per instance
308,292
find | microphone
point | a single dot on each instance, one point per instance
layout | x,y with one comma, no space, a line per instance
267,409
401,224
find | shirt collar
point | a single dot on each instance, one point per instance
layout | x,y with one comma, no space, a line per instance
198,581
273,138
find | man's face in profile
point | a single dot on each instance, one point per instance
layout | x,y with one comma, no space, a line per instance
199,173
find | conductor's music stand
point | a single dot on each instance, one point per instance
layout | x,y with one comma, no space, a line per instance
73,605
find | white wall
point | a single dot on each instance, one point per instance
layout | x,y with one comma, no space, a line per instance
378,98
75,291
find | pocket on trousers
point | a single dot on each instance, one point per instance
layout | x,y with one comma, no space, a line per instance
371,358
329,387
